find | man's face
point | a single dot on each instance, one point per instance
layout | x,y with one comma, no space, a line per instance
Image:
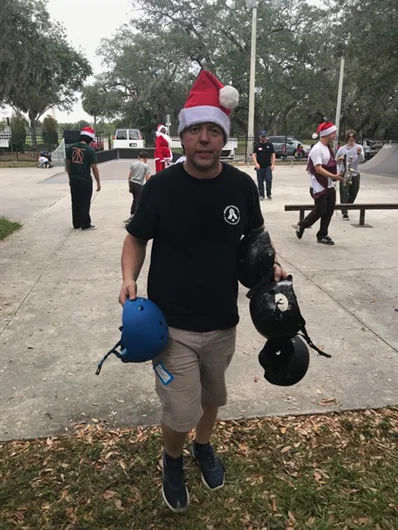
330,137
351,140
263,139
203,144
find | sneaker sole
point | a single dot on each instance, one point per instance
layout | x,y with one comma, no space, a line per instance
176,510
327,244
210,488
203,478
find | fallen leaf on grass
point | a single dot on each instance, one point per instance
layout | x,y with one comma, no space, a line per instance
118,504
64,495
109,494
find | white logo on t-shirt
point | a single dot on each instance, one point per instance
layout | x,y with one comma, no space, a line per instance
232,214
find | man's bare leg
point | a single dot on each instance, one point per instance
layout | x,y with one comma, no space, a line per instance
206,424
173,441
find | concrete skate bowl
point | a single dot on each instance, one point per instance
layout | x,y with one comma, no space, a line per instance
385,163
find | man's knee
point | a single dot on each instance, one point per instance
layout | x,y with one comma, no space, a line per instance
182,418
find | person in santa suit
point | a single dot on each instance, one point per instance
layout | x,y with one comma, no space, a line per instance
163,154
322,170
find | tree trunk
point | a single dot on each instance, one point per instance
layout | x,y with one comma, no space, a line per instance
32,127
95,125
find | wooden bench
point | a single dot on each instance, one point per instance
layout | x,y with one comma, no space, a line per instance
361,207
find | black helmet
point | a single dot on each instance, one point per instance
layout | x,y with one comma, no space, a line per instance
285,361
256,258
274,309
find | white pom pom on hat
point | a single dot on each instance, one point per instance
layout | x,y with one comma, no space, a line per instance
209,101
229,97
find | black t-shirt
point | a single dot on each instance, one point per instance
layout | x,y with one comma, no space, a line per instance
196,226
264,152
81,156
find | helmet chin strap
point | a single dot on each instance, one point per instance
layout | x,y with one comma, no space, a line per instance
305,336
113,350
118,354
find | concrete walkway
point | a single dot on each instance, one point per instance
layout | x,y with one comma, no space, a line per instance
59,311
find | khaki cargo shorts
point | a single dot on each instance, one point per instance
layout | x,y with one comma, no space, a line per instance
191,371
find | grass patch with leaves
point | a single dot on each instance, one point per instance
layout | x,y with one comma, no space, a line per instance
7,227
336,471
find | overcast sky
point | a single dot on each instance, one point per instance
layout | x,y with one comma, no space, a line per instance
86,23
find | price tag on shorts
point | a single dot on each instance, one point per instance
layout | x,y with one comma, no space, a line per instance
164,375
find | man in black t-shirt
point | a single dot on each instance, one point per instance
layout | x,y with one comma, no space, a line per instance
264,163
81,159
196,213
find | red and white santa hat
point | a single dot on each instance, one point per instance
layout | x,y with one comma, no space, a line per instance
208,101
324,129
88,131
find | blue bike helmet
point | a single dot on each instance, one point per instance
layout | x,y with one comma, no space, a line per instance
145,333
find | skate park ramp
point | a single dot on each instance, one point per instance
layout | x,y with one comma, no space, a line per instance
114,170
385,163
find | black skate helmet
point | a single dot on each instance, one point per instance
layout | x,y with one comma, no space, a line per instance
285,361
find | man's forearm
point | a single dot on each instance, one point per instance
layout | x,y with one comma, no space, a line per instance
254,157
133,256
96,174
273,158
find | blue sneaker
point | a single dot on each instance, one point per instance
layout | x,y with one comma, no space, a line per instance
174,491
210,465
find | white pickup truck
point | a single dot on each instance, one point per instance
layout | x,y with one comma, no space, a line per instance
228,152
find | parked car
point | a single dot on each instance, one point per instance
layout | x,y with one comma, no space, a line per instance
98,144
279,143
128,138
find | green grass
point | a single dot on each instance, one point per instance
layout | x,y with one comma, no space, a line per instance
17,163
310,472
7,227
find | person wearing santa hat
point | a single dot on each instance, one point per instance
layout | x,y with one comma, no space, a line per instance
163,154
81,159
322,171
196,213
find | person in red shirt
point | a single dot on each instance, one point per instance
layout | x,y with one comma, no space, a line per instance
163,154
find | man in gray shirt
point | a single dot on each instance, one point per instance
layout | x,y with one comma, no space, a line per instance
138,175
353,154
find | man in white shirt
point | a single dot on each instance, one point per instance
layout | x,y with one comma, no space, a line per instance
352,153
322,170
